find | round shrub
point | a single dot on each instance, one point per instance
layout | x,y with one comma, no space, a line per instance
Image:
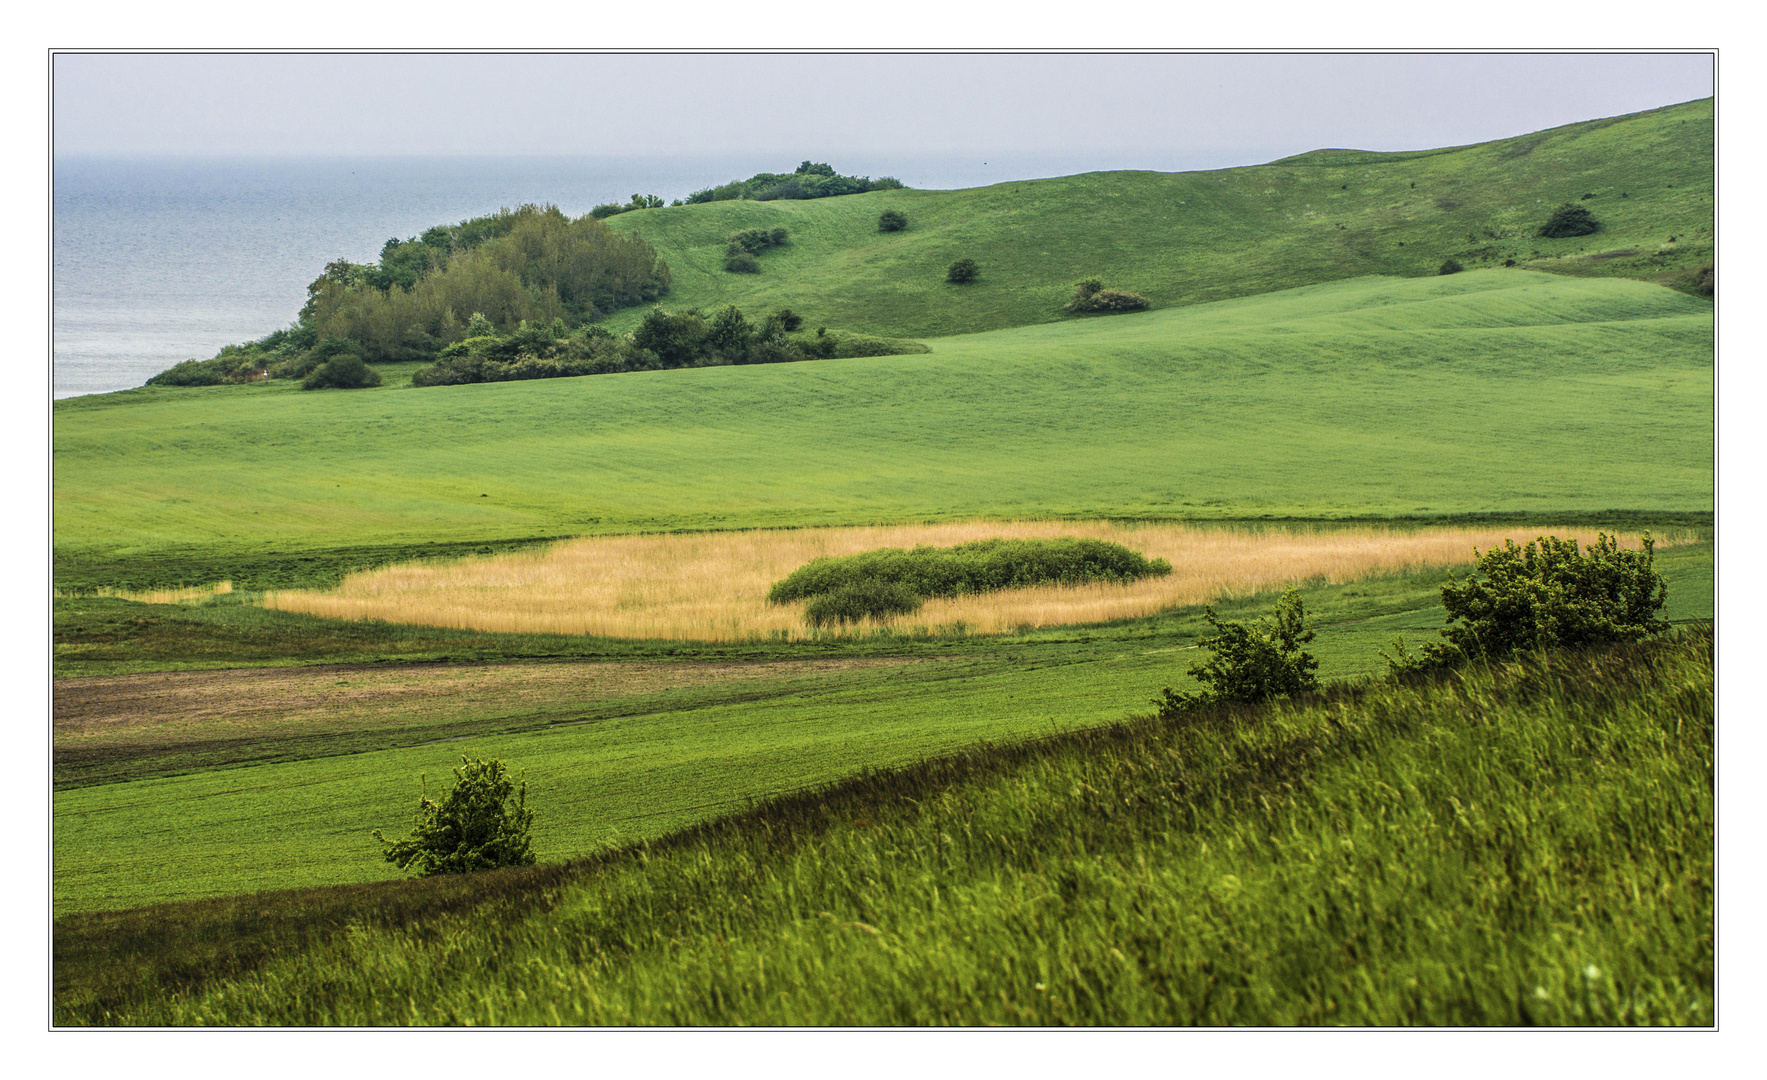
1450,267
742,264
875,600
892,221
963,271
343,372
1570,220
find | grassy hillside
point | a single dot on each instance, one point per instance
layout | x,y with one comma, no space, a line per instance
1375,396
259,780
1187,238
1519,845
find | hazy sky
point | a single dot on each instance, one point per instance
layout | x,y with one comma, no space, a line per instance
1126,109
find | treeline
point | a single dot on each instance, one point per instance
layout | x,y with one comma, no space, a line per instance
664,340
811,180
530,265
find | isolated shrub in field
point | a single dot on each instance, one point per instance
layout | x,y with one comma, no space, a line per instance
1705,280
861,601
892,221
1570,220
482,823
1250,663
1450,266
742,264
1101,301
976,567
346,371
963,271
1546,595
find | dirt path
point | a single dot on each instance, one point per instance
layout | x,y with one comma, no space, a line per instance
195,704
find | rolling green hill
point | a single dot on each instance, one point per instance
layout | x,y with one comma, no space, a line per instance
1187,238
1377,396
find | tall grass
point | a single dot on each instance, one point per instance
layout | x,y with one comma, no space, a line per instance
1529,843
714,586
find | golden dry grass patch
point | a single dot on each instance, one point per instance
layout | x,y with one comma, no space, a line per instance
713,586
194,594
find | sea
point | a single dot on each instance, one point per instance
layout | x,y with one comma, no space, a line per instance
163,259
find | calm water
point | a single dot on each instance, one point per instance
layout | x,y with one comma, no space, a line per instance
159,260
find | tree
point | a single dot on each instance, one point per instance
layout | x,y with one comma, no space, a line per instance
963,271
1545,595
892,221
481,824
1250,663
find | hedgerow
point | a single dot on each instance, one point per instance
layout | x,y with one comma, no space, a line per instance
976,567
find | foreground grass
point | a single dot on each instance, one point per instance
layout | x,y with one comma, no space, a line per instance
1529,844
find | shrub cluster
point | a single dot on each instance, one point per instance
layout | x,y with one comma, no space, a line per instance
892,221
1092,298
664,340
977,567
531,264
739,256
639,202
1450,266
1570,220
1250,663
811,180
1545,595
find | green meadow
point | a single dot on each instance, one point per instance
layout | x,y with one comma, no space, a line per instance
1372,397
940,827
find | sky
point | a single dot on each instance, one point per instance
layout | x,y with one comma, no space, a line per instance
1125,110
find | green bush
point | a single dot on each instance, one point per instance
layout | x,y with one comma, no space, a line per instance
976,567
963,271
1545,595
345,371
189,373
1570,220
1450,266
1250,663
892,221
742,264
481,824
876,600
1092,298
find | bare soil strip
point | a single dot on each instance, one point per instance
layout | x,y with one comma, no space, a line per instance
191,706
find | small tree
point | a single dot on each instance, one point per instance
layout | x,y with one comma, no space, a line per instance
481,824
963,271
1250,663
892,221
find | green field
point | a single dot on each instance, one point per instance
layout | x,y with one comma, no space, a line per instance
939,828
1372,397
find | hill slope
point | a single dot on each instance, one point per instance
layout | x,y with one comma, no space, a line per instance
1374,396
1187,238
